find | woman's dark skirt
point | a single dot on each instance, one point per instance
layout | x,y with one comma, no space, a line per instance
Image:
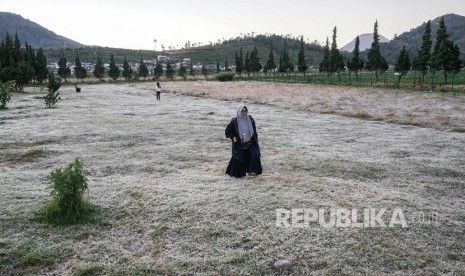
251,164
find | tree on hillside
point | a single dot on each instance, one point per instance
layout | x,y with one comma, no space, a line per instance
422,61
63,70
355,64
324,64
99,69
376,62
402,65
127,70
239,62
41,72
158,71
79,71
270,65
301,64
114,72
143,70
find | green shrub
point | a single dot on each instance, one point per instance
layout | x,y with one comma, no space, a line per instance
68,205
224,76
5,93
53,96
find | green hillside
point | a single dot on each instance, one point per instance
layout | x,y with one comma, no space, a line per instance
202,54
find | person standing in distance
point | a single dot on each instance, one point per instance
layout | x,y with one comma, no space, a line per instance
158,89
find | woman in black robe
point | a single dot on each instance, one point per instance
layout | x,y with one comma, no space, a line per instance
245,149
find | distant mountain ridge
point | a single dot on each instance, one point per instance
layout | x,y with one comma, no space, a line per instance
365,42
412,39
32,33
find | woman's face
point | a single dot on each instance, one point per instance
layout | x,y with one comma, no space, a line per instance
244,112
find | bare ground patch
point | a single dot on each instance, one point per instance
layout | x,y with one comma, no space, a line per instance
157,171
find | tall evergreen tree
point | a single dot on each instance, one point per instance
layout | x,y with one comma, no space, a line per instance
355,64
191,69
335,58
217,66
422,61
446,54
169,71
41,72
127,70
255,65
280,65
204,71
247,63
99,69
324,64
376,62
158,71
239,62
143,70
182,70
301,64
286,62
63,70
402,65
114,72
270,65
79,71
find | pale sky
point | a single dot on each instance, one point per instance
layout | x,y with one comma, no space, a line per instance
134,24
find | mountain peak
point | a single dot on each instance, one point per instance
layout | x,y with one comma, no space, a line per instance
32,33
365,42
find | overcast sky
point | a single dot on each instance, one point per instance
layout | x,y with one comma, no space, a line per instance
135,24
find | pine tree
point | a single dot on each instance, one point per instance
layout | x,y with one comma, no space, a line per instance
355,64
217,66
63,70
158,71
280,66
226,65
99,69
324,64
41,71
376,62
446,54
286,63
143,70
402,65
422,61
239,62
255,65
127,70
169,71
79,71
114,72
53,96
301,64
191,69
270,65
247,64
204,71
182,70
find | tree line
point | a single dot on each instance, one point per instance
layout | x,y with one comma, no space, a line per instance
444,56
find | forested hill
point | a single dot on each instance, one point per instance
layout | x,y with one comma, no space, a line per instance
412,39
32,33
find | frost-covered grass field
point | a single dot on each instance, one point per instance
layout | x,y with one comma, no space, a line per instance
157,172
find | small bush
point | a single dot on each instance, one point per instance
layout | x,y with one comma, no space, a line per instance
53,96
5,93
68,205
225,76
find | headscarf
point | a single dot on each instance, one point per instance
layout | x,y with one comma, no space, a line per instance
244,124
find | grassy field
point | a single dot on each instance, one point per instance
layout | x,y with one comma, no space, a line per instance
157,172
